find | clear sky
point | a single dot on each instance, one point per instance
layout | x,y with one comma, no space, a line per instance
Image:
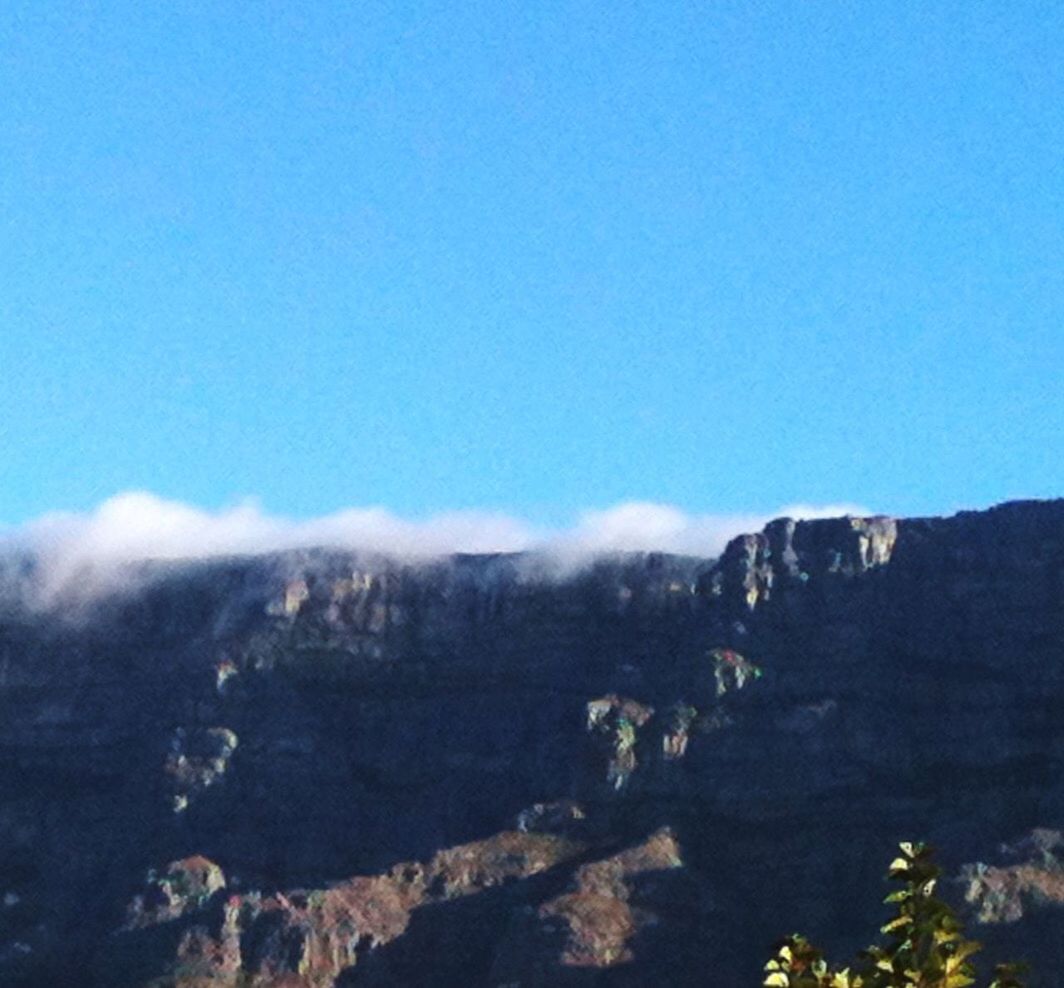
531,257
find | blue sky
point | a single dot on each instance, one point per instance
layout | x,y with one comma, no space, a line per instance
531,258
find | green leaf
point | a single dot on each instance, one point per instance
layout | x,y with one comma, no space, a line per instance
896,924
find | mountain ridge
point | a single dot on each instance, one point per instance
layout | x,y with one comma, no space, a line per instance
464,740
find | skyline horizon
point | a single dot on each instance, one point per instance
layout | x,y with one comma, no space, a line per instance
140,524
66,561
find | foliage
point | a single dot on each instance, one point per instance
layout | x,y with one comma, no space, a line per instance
925,945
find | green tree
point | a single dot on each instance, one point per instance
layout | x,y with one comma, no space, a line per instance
925,946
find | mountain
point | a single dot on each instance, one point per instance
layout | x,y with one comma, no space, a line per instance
320,767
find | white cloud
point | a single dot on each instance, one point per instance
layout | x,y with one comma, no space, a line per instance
137,525
91,550
641,525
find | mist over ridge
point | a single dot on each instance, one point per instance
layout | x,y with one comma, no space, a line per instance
99,551
287,741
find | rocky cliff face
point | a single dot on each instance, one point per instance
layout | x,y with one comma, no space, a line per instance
321,768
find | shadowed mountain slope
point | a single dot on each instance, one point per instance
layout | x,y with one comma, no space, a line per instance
323,768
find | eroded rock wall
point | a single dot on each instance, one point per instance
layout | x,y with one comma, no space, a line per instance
312,720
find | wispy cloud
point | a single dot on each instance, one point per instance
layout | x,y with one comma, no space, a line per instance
95,547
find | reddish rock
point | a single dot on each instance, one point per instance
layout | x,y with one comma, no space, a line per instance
184,886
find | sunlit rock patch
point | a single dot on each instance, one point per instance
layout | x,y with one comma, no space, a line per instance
307,937
1002,894
597,912
182,887
594,922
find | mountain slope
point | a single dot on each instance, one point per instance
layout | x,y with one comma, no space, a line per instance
320,767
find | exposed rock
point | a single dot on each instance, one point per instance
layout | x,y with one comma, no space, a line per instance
560,817
789,553
184,886
309,937
678,732
1001,894
395,720
197,760
597,912
295,595
616,721
590,925
731,671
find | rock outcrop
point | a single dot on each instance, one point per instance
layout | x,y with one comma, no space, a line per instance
1030,878
311,936
325,768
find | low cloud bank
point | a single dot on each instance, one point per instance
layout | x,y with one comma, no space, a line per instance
137,526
